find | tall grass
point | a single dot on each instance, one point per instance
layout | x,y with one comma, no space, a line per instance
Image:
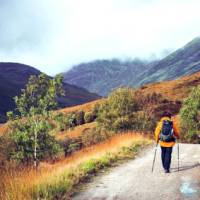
55,181
76,132
85,107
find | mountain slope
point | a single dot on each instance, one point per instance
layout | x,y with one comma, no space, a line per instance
13,78
176,90
173,93
104,75
184,61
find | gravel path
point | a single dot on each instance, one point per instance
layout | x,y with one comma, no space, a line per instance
135,181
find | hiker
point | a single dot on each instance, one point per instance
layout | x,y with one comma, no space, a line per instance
166,134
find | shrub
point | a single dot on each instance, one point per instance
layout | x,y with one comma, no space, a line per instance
115,112
94,136
61,121
95,110
70,145
190,117
4,151
89,117
71,120
142,122
67,121
80,118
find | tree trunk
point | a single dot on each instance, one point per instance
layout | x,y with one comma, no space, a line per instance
35,145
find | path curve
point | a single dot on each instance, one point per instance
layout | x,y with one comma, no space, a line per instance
135,181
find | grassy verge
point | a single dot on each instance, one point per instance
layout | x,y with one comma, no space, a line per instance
61,187
57,180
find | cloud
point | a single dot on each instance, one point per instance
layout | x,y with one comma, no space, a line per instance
53,35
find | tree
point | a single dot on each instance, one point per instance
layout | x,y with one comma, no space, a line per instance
30,130
116,113
190,116
40,95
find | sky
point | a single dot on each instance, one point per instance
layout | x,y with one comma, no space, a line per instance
54,35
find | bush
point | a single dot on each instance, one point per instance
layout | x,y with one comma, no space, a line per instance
95,110
70,145
89,117
122,123
115,112
4,151
190,117
94,136
61,121
80,118
71,118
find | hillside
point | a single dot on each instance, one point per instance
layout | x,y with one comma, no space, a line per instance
84,107
175,90
184,61
13,78
104,75
172,91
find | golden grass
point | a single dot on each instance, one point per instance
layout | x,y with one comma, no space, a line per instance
19,184
175,89
84,107
76,132
3,129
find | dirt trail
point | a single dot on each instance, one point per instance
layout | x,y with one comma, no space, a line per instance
135,181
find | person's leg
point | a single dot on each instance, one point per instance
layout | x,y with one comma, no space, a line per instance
168,156
163,151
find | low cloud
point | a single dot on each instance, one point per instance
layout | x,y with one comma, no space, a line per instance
53,35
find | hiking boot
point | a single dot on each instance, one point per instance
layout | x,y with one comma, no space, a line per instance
167,171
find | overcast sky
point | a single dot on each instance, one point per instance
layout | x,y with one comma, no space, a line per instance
53,35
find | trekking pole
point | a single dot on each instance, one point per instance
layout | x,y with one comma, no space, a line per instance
154,156
178,153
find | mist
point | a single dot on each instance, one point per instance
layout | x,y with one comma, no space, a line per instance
54,35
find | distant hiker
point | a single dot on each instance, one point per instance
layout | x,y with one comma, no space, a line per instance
166,133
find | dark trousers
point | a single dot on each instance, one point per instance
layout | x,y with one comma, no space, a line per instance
166,155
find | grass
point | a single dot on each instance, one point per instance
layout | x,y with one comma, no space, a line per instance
57,181
175,89
3,129
84,107
76,132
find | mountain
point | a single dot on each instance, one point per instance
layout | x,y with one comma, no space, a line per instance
104,75
14,77
157,96
173,90
184,61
